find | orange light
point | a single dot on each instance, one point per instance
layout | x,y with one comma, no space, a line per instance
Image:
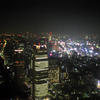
39,44
17,62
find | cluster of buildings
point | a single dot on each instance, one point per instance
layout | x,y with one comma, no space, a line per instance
52,66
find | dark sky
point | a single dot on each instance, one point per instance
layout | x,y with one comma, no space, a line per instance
49,15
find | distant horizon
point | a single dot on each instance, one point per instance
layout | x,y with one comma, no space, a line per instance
72,33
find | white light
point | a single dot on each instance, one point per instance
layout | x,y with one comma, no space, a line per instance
8,67
53,50
40,58
75,49
42,45
98,84
90,51
96,53
18,50
92,48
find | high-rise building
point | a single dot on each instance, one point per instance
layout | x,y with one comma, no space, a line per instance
41,75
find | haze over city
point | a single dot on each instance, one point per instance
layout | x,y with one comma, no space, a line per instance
45,16
49,50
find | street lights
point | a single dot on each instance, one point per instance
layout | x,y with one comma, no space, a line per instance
46,98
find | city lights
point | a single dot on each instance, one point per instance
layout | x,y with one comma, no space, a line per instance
98,84
54,67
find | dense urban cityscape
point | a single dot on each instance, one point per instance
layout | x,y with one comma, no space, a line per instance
49,50
49,66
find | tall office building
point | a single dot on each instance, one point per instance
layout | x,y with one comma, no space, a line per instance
41,75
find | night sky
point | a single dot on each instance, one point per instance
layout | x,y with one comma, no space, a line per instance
50,15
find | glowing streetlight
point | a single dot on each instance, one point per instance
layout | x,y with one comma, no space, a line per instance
46,98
